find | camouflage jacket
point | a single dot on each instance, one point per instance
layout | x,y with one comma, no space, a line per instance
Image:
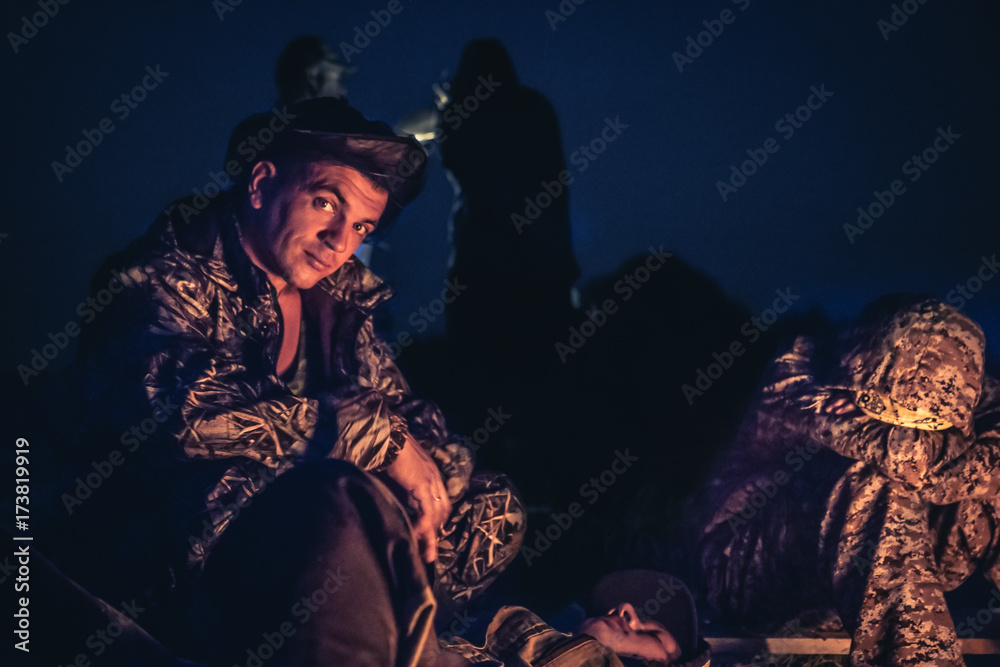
877,510
924,365
184,358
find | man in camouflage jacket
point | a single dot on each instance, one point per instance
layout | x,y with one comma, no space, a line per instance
193,342
872,494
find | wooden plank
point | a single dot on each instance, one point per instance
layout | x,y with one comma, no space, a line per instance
822,645
979,646
781,645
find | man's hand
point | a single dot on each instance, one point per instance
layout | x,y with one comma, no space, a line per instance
841,405
414,470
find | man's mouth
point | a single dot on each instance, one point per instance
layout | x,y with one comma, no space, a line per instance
316,263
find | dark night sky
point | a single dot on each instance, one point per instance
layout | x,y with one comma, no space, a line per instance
656,184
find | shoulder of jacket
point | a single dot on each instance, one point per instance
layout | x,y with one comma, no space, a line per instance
181,247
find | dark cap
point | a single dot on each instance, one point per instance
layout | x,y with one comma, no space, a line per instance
327,129
659,597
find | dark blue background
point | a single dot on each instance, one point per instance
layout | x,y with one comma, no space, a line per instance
654,185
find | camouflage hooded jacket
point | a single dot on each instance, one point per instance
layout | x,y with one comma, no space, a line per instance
192,342
884,506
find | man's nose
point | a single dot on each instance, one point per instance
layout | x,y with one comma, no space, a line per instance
335,236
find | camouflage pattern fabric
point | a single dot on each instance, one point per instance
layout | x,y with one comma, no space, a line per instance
874,519
518,638
193,340
481,538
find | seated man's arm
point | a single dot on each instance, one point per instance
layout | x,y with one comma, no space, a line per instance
389,393
919,459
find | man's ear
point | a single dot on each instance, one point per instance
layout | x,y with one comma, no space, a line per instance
261,177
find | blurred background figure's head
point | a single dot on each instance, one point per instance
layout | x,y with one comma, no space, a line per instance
307,69
482,57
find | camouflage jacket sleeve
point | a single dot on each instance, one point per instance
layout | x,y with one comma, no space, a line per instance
380,401
943,466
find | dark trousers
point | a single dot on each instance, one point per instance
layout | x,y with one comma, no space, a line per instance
319,570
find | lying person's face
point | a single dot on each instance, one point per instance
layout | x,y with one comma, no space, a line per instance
310,226
627,635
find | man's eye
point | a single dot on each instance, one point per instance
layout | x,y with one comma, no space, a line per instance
324,204
360,229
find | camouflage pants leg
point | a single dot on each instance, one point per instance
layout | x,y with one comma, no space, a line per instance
482,537
885,577
882,557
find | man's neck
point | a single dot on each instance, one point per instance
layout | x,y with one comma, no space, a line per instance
281,286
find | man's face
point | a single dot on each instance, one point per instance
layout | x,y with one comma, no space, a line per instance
312,225
327,79
623,631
